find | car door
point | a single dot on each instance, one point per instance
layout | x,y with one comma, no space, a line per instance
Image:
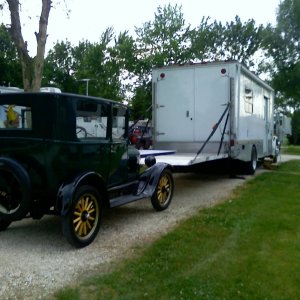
93,134
119,146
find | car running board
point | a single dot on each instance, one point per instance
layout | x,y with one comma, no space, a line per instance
124,194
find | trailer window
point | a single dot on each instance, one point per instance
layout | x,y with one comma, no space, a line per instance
248,97
15,117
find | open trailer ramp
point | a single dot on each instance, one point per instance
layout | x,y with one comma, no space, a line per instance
180,159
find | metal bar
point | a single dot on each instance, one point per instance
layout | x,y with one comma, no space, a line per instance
223,133
213,131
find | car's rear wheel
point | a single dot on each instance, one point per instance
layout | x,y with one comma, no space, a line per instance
4,225
15,190
163,194
82,222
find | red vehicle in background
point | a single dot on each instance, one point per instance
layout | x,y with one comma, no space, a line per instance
141,136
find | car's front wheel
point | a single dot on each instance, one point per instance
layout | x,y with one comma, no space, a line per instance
163,194
82,222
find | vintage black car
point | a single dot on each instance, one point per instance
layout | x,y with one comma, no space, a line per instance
69,155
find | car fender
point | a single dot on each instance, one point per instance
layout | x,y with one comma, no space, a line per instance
148,180
67,190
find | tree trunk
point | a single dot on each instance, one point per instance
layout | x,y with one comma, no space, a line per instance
32,68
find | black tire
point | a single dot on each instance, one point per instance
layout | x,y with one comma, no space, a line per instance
252,164
82,222
4,225
15,190
163,193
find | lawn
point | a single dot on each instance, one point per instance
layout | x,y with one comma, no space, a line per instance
246,248
291,149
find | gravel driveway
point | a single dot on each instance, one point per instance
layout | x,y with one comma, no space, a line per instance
36,259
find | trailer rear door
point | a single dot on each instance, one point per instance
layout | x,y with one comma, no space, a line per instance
174,105
189,101
212,94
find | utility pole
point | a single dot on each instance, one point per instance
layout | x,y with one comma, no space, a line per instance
87,80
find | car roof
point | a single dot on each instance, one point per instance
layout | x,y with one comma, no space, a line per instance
61,96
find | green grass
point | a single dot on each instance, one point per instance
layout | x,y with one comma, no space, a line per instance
245,248
291,149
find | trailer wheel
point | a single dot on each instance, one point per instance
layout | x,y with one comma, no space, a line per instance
163,194
82,222
252,164
15,191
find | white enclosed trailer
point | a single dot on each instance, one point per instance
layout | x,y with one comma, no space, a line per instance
211,111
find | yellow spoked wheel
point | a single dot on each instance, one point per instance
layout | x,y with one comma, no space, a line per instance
85,216
82,223
164,191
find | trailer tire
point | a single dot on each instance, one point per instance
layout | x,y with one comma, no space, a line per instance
252,164
15,191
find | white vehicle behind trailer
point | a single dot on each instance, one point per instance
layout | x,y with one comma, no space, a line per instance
212,111
8,89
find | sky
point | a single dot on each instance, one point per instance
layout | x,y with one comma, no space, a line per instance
88,19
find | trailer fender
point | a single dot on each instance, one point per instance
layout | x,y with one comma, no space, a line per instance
67,190
149,179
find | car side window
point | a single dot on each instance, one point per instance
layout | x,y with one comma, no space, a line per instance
119,121
92,120
14,116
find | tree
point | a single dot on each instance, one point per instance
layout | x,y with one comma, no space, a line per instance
160,42
283,46
203,44
10,66
60,65
99,64
125,54
295,138
141,102
32,68
240,41
235,40
106,64
163,41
